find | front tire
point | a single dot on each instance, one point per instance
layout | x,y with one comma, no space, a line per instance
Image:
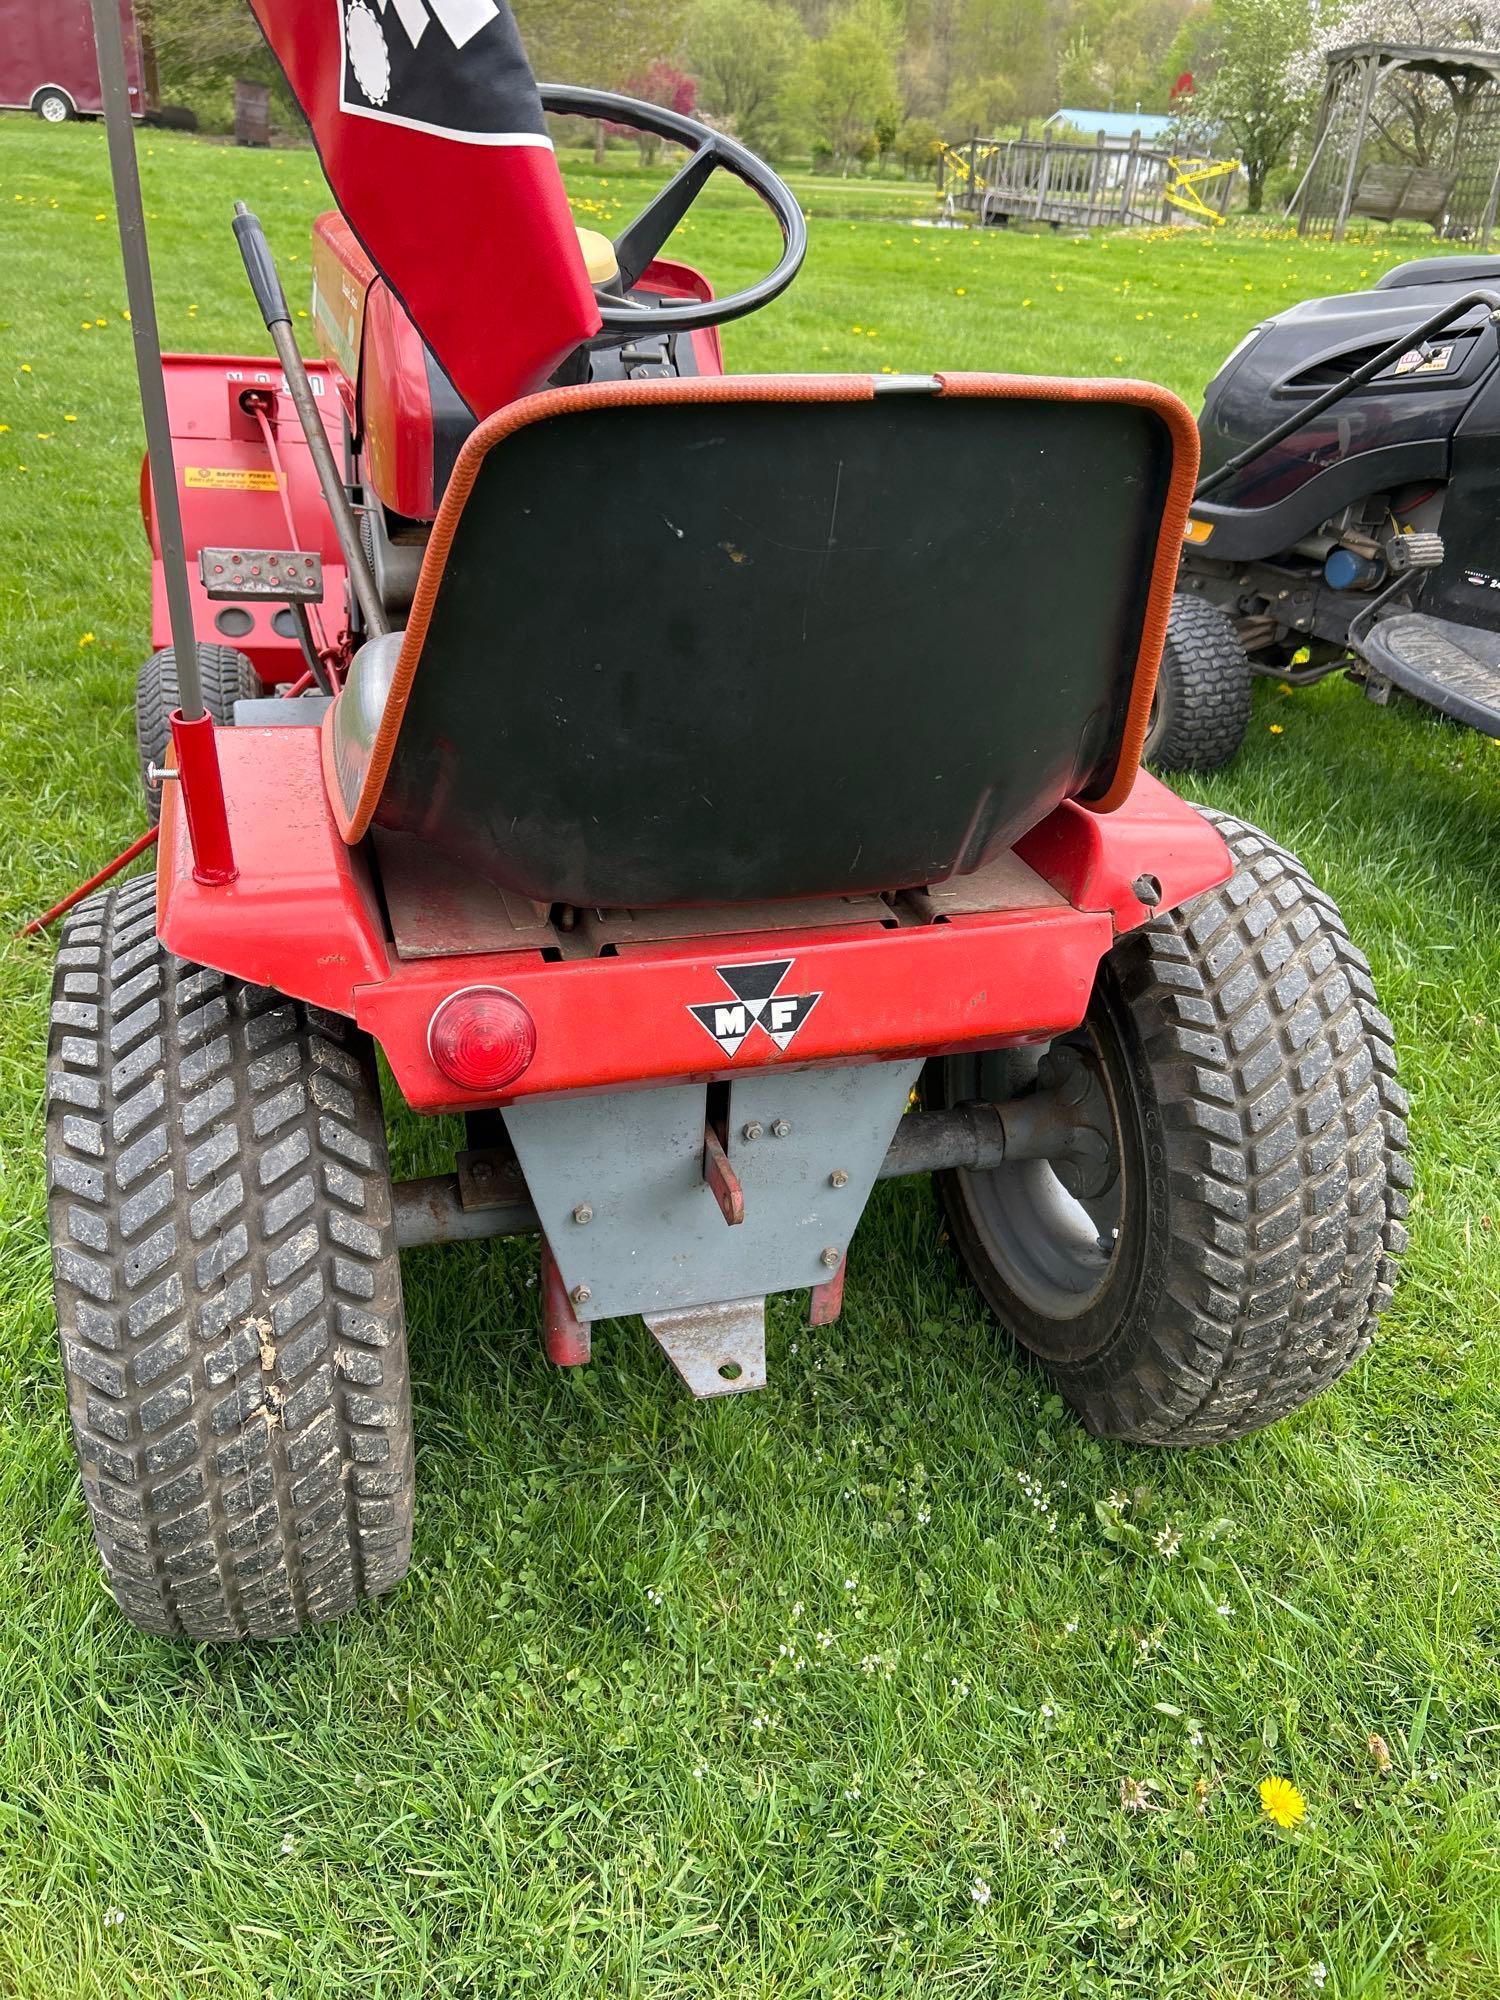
228,1288
1203,694
1238,1259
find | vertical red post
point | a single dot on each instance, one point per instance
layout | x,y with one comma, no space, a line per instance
568,1340
202,787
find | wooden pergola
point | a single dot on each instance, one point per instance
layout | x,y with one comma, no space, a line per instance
1455,193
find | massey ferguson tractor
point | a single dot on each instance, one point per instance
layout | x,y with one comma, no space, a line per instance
666,776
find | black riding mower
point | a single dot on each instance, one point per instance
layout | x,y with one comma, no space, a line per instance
1346,517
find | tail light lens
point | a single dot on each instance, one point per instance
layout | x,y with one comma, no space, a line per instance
481,1039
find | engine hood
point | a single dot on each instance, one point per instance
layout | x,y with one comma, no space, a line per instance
1410,411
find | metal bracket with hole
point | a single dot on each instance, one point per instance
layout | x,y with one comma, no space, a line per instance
718,1350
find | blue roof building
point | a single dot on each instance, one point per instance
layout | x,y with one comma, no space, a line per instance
1117,125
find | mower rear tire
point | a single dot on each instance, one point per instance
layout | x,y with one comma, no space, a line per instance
228,1288
227,677
1248,1242
1203,691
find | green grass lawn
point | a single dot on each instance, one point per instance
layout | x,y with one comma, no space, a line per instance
759,1698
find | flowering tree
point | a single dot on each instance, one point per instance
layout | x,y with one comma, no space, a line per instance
1415,115
660,83
1242,89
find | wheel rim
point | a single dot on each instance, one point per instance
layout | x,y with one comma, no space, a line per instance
1055,1251
54,110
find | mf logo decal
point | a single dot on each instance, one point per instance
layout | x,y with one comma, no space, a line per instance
757,1002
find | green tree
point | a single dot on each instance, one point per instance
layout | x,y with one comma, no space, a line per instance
746,53
851,87
983,106
1242,69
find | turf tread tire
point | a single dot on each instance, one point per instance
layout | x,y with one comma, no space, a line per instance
228,1288
1276,1110
1204,690
227,677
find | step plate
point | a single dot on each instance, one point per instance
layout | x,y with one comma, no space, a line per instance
1453,668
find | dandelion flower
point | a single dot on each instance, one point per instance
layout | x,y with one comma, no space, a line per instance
960,292
87,639
1276,729
979,1890
1281,1801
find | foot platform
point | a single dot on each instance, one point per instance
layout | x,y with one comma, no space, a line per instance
1453,668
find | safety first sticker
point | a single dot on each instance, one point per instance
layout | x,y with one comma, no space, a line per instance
228,479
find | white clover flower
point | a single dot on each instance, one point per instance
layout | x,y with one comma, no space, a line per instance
1224,1610
1317,1972
979,1890
1057,1839
851,1583
700,1770
1071,1627
288,1843
112,1917
851,1791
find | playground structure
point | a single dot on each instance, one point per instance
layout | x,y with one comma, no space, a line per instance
1350,171
1108,184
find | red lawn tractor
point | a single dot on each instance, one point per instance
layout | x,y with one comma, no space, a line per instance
724,792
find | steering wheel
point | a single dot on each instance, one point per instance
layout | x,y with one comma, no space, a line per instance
642,240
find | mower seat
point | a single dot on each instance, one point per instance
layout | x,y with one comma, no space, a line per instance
734,639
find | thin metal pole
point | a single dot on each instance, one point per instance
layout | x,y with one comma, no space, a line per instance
265,282
110,43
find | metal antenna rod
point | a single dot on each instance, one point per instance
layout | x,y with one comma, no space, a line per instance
109,40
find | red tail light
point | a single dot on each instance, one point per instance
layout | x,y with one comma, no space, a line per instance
482,1038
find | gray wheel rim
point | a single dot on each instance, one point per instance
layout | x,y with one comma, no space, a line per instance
54,110
1055,1251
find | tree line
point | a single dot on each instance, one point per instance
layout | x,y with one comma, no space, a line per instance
849,82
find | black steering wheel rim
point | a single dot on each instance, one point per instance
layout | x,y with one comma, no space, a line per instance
709,151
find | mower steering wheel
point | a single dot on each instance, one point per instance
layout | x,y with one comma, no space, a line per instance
643,240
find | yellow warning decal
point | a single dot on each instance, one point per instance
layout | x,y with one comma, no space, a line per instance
228,479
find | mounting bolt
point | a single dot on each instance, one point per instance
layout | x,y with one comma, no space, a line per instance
780,1129
580,1295
830,1258
751,1131
1146,889
838,1178
482,1171
582,1214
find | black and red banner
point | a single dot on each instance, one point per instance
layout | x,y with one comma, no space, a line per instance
431,132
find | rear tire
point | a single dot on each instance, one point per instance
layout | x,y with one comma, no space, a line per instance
228,1288
1202,705
1241,1257
227,677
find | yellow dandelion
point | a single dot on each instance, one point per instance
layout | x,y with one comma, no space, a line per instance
70,420
1275,728
101,218
1281,1801
1025,302
25,367
101,322
960,292
87,639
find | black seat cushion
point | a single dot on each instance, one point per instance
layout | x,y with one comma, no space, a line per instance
689,651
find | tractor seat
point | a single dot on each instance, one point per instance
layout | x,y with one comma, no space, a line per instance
733,639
